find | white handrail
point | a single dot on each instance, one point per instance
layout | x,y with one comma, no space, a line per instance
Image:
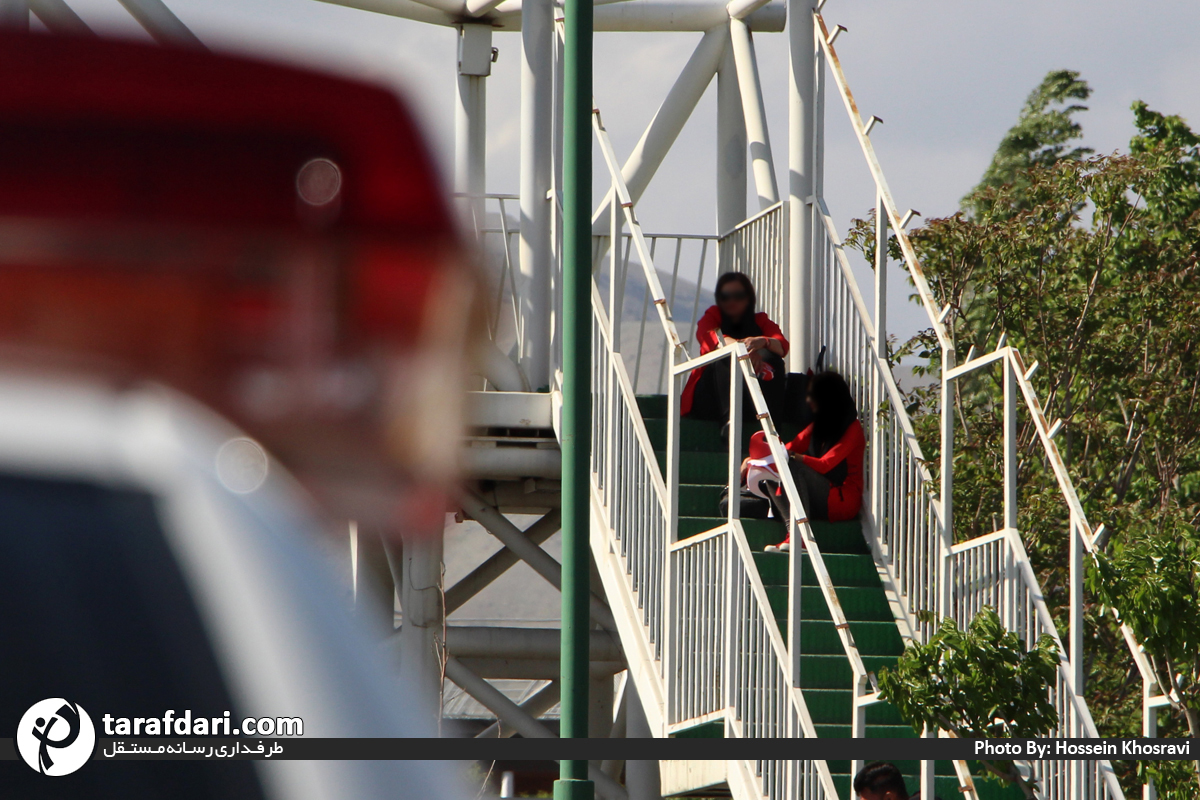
937,317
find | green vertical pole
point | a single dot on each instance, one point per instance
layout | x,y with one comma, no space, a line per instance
573,783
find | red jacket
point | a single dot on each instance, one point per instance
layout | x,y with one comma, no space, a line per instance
845,500
706,333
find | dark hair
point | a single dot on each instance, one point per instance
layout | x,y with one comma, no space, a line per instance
880,776
746,326
835,408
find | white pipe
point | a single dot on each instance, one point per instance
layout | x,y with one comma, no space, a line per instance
740,9
534,669
478,8
479,641
502,372
14,15
537,154
421,603
499,563
669,120
452,7
801,75
405,9
542,562
161,23
761,162
731,145
542,701
629,15
59,18
470,141
658,16
510,463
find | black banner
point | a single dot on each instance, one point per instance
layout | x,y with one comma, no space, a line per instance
314,749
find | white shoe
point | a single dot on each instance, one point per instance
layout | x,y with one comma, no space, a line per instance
782,547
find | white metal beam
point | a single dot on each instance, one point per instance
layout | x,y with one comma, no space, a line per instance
754,111
470,122
59,18
406,9
161,23
669,120
801,144
536,162
499,563
616,15
541,561
14,15
731,144
537,704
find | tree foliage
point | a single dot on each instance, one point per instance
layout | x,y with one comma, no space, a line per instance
978,683
1090,266
1039,139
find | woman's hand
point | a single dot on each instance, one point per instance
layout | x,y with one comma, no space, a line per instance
756,343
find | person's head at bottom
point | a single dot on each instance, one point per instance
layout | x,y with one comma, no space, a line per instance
880,781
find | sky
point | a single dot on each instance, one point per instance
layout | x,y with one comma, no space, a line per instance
948,78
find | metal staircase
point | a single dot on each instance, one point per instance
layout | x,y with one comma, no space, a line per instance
717,636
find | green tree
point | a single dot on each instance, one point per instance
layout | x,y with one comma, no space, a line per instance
1152,575
1039,139
1090,266
978,683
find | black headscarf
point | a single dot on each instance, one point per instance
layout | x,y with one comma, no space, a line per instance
746,326
835,409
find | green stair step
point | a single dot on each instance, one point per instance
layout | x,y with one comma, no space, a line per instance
832,706
832,537
711,468
652,406
705,435
858,604
871,638
694,435
707,730
873,731
845,569
833,671
759,532
700,499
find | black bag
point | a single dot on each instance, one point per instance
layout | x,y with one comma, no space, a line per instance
795,409
795,400
751,507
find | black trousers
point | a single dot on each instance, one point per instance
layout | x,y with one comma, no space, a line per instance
813,488
711,398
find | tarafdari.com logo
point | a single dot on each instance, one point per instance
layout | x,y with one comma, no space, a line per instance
56,736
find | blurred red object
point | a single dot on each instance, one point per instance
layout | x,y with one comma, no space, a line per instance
271,241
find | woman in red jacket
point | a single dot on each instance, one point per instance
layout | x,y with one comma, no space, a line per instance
706,395
826,458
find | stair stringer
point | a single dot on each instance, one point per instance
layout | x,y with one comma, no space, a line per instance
644,669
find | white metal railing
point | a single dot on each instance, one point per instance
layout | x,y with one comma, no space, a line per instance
797,525
758,247
497,237
737,636
692,259
913,530
731,662
626,478
901,509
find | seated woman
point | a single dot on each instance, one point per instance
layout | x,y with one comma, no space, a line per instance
706,395
826,458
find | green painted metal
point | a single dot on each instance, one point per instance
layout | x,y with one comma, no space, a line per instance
576,412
